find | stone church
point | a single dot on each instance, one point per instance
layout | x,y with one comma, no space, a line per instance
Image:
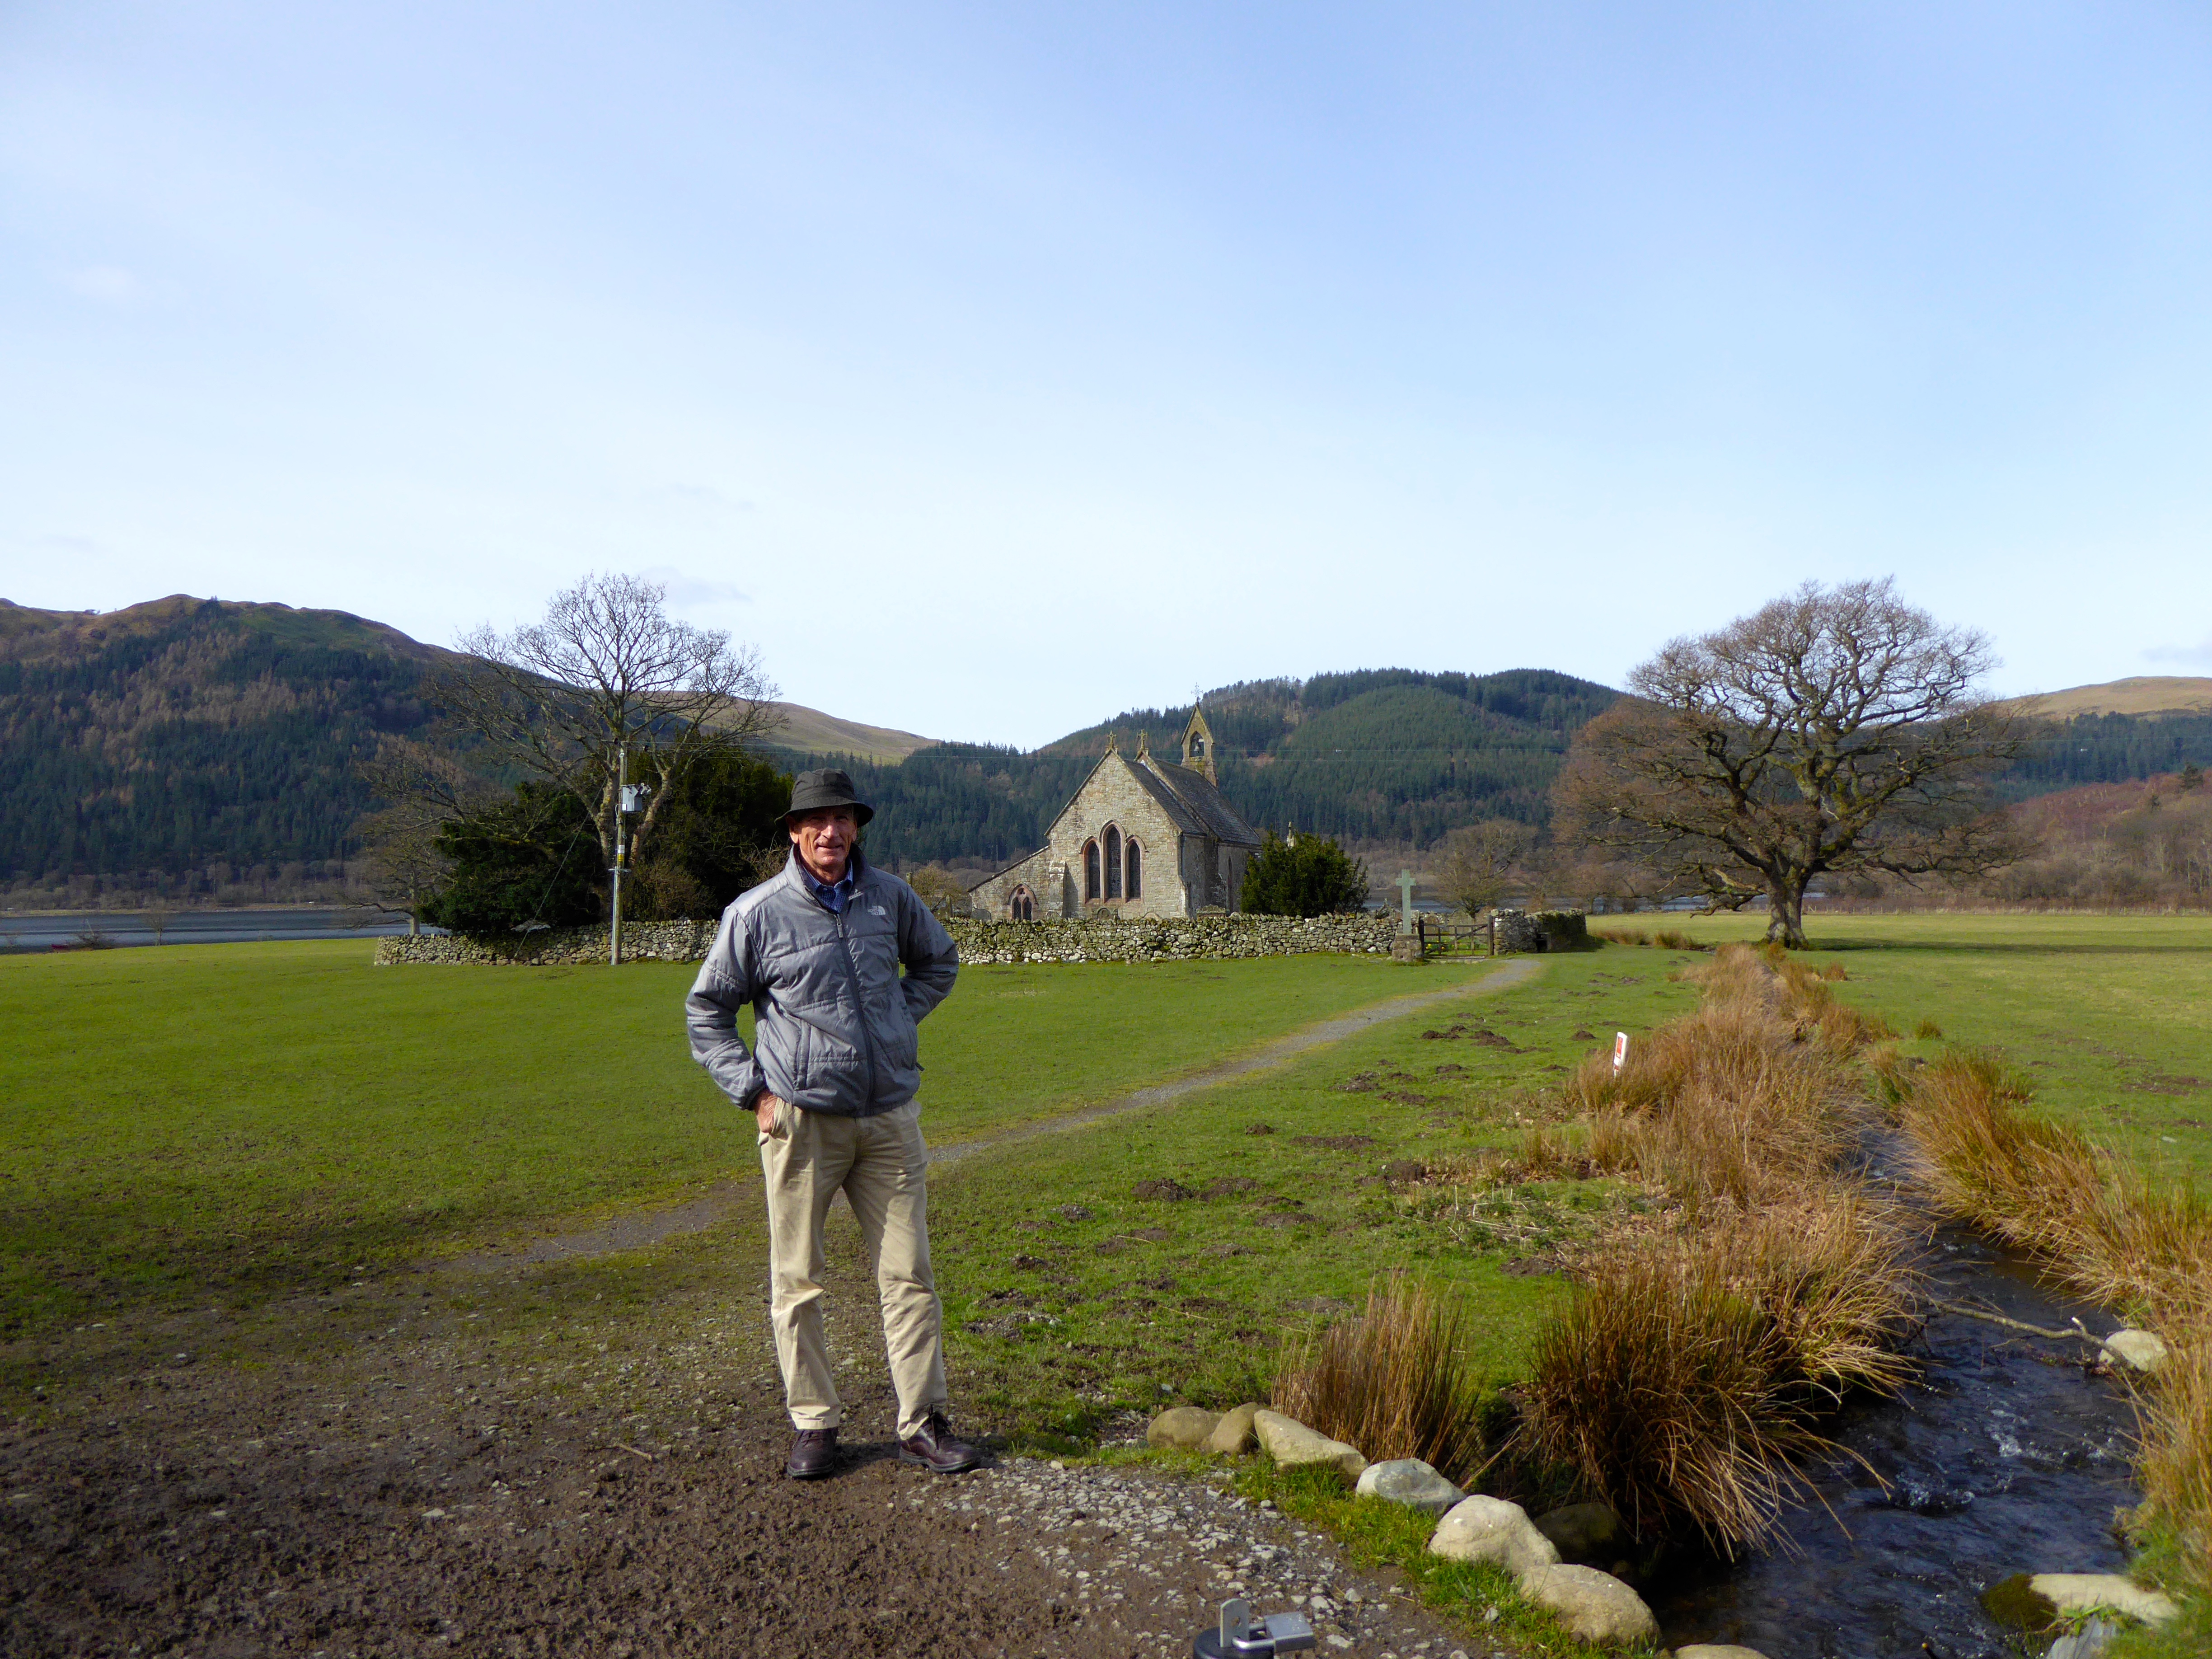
1141,837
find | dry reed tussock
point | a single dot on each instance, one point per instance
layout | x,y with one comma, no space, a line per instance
1666,938
2105,1234
1687,1379
1394,1382
2141,1249
2177,1459
1689,1376
1833,1271
2011,1175
1751,1098
1668,1395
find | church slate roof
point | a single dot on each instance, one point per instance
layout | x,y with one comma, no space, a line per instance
1194,803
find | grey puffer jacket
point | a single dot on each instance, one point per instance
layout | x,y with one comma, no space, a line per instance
835,1020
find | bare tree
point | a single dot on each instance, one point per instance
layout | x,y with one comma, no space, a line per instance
1835,730
399,845
944,893
607,672
1483,860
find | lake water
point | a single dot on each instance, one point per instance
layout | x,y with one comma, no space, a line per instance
64,929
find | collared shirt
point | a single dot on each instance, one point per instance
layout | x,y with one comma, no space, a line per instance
832,897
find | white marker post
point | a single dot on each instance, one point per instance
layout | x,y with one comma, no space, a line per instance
1620,1051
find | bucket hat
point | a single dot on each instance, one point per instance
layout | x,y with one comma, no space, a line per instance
826,786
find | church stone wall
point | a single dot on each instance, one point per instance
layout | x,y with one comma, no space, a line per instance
1113,796
990,898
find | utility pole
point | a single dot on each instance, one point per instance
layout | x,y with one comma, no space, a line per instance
622,809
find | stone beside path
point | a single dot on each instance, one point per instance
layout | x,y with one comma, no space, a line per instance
1593,1605
1587,1534
1233,1435
1185,1428
1589,1603
1409,1481
1491,1529
1295,1446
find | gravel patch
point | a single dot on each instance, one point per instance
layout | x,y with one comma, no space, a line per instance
1147,1557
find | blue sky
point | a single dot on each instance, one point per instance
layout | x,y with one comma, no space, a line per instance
995,369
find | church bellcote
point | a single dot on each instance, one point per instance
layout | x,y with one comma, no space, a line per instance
1198,746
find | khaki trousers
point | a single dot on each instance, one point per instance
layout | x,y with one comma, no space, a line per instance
882,1166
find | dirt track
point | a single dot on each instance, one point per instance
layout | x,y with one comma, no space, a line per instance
321,1508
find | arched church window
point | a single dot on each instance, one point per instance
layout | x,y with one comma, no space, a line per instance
1133,884
1112,862
1022,907
1090,871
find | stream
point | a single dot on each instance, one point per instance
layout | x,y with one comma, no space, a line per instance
2005,1458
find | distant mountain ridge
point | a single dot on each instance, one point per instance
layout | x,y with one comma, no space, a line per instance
809,731
185,732
2155,694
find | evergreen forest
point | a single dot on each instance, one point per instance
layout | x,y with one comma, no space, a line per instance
187,733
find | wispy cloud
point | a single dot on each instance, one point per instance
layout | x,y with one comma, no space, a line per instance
2192,656
702,495
112,285
686,590
64,542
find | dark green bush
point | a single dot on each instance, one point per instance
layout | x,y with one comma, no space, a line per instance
715,838
533,859
1308,876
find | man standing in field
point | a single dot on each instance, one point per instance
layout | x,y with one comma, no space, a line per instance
830,1080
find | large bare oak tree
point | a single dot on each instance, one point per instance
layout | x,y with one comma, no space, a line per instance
608,671
1836,730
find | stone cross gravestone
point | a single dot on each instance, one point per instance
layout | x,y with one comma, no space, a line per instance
1404,885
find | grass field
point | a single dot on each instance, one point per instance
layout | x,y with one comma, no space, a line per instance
229,1124
233,1120
1079,1289
198,1120
2110,1016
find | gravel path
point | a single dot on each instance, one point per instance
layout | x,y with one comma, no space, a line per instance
1151,1557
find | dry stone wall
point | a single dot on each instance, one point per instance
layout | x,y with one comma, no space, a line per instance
1175,939
554,947
1541,930
1171,939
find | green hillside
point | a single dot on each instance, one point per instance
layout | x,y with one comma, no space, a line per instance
2107,748
185,733
1380,755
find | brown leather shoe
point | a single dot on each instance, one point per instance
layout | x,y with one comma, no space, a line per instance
813,1455
933,1447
